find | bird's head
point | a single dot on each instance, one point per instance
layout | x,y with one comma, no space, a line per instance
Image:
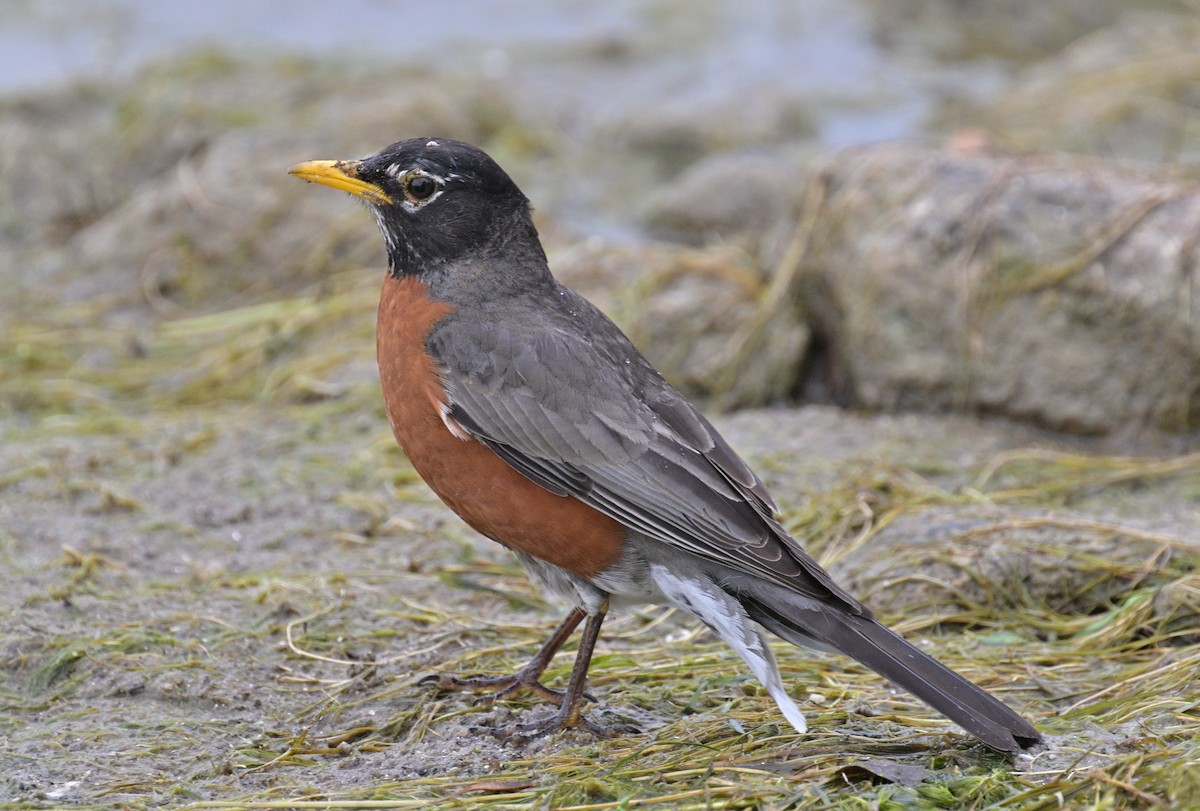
437,201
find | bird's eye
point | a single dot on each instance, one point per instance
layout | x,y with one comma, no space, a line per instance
419,187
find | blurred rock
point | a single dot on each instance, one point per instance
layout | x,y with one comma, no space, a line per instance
1128,91
1006,29
170,194
686,309
727,194
677,134
1053,290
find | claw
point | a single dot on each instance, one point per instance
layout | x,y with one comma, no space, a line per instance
559,721
497,687
569,714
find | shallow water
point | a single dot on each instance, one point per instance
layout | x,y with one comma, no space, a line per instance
629,54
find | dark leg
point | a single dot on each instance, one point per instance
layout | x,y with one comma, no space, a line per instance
525,678
569,715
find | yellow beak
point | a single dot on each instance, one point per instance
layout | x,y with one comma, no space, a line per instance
340,175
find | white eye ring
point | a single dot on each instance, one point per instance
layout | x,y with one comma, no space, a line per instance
419,188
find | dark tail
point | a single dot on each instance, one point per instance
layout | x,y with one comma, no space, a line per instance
888,654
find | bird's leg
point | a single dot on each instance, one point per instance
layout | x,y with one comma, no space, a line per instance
569,714
526,678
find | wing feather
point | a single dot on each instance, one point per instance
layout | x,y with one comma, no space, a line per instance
589,418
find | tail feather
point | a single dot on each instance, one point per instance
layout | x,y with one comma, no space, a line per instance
888,654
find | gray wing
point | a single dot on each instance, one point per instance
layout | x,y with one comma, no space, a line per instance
586,416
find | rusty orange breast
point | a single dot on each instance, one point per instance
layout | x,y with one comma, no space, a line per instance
478,485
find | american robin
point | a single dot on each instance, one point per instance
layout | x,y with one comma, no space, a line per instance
536,420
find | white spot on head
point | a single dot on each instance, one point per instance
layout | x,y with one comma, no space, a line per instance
432,143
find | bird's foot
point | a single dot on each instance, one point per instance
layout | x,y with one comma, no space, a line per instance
559,721
497,688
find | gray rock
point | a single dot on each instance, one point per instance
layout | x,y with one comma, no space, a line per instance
1127,91
727,194
1004,29
1058,291
696,314
678,133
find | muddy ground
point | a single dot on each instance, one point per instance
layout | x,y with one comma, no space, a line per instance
237,604
223,583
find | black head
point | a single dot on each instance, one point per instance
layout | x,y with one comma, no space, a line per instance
437,201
